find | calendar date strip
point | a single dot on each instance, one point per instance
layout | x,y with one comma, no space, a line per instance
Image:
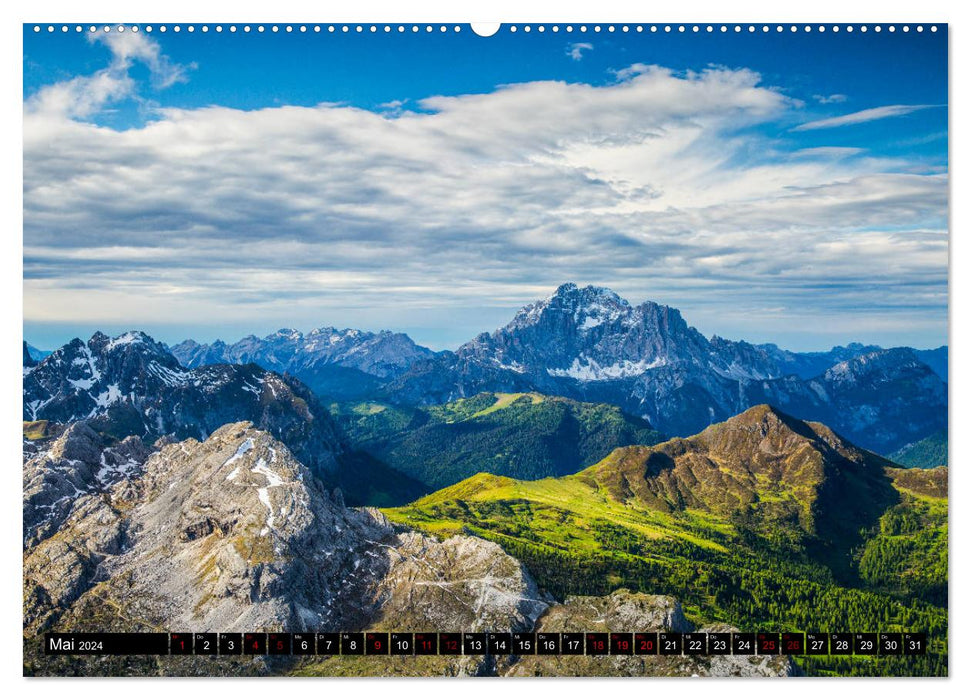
486,643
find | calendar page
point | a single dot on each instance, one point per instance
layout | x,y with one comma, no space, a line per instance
516,350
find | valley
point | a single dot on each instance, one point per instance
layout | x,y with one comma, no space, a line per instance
590,455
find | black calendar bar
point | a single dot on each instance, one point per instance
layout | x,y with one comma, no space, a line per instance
481,643
107,643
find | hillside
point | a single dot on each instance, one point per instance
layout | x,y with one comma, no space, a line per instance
931,451
526,436
760,521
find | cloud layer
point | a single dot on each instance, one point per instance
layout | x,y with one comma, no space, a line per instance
658,185
861,117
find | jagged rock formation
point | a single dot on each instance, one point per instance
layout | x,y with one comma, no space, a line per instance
76,464
131,385
341,363
235,534
592,345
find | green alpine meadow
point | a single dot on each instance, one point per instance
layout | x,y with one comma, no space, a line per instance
765,522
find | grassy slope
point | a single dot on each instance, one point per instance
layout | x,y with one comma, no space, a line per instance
525,436
578,537
908,551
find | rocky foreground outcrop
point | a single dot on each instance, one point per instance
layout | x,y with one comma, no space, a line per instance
235,534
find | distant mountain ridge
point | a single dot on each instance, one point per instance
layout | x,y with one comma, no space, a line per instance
590,344
344,363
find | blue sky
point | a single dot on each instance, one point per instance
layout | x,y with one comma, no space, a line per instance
786,187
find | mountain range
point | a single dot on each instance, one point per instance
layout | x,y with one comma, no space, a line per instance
342,364
142,511
131,385
590,345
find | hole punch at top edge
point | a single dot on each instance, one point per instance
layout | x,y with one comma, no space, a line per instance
485,29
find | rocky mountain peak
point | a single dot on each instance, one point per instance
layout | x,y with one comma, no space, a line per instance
587,307
235,533
589,334
873,363
130,385
763,420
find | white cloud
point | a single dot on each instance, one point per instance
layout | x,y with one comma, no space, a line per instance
575,51
830,99
657,185
828,152
866,115
84,96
